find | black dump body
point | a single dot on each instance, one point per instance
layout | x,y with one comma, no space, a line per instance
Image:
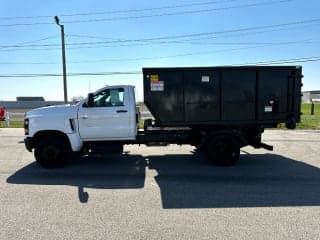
198,96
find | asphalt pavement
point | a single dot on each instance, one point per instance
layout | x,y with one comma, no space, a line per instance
164,193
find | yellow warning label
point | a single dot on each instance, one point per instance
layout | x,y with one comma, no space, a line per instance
154,78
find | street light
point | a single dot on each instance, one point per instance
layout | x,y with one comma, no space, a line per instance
56,19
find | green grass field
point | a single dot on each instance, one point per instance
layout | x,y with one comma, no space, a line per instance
308,121
13,124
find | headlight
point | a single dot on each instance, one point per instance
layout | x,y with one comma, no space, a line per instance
26,126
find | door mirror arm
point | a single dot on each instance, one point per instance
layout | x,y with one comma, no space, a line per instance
90,101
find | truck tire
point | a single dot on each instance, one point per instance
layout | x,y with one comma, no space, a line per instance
51,151
223,150
291,123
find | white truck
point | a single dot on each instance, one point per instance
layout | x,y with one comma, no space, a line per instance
216,109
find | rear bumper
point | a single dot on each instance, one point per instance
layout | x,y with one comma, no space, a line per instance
28,143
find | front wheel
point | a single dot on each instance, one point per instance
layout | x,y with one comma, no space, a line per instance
51,151
223,150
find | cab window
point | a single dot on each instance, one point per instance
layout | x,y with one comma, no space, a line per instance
109,98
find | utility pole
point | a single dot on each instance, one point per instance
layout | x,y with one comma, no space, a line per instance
63,59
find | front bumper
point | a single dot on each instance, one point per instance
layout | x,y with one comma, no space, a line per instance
28,143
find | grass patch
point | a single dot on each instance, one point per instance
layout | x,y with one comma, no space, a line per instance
141,124
309,121
13,124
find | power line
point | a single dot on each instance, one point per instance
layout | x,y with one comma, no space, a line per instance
154,41
179,13
286,61
123,11
254,32
192,43
221,32
154,15
36,40
25,24
34,75
187,41
93,37
183,54
182,36
183,41
156,57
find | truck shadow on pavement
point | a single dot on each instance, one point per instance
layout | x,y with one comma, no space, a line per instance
189,181
109,172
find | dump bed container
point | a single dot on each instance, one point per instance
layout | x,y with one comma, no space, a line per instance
197,96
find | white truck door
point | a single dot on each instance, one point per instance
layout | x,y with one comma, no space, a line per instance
108,119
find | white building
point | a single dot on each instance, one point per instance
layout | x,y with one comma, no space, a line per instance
309,96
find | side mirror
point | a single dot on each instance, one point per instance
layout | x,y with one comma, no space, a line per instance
90,100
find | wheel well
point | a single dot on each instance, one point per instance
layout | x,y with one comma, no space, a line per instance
51,133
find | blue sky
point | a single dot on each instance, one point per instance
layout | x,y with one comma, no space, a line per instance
222,40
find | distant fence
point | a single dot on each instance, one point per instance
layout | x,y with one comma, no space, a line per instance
17,115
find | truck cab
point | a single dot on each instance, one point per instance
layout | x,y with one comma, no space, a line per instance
107,115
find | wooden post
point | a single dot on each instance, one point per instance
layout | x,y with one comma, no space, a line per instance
312,108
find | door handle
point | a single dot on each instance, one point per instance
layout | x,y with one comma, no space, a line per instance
122,111
84,117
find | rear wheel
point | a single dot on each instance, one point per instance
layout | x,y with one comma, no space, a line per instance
291,123
223,150
51,151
